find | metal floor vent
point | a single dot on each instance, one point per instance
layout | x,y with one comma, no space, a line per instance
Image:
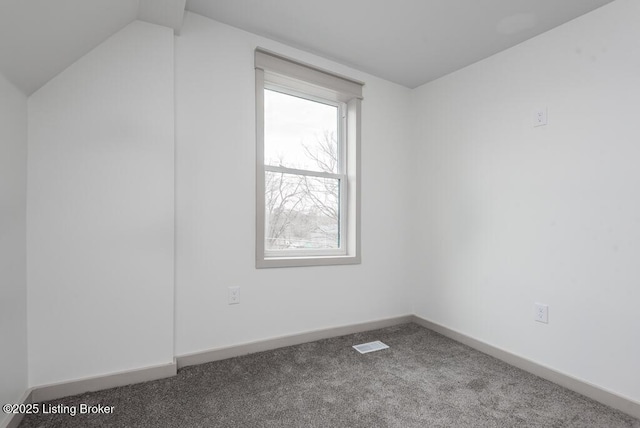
370,347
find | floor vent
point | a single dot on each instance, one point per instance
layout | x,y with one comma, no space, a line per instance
370,347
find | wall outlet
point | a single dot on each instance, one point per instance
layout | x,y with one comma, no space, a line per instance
234,295
541,313
540,117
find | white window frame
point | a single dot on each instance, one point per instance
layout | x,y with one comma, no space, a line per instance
281,74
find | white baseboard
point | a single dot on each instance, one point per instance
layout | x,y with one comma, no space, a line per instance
97,383
63,389
14,419
282,341
609,398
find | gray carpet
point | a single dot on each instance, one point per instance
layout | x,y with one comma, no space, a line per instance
423,380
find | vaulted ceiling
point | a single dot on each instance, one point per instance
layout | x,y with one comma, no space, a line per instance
40,38
409,42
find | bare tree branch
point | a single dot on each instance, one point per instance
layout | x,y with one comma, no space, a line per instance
299,206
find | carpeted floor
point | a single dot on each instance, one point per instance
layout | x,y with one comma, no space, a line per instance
423,380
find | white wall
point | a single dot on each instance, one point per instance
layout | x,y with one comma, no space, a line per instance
469,214
13,282
101,211
215,196
509,214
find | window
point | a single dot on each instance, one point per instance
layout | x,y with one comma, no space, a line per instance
307,172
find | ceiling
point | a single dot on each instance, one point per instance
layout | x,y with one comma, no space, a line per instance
409,42
40,38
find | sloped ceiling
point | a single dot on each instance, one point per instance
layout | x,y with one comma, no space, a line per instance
409,42
40,38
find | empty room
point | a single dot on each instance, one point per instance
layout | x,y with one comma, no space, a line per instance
357,213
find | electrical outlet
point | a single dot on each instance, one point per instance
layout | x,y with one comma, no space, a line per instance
234,295
541,313
540,117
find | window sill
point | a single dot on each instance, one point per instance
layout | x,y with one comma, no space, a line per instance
280,262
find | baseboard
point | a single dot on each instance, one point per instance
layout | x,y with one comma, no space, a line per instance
97,383
611,399
64,389
14,419
282,341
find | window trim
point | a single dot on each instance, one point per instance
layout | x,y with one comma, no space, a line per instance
294,78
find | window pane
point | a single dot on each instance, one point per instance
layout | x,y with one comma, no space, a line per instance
299,133
301,212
